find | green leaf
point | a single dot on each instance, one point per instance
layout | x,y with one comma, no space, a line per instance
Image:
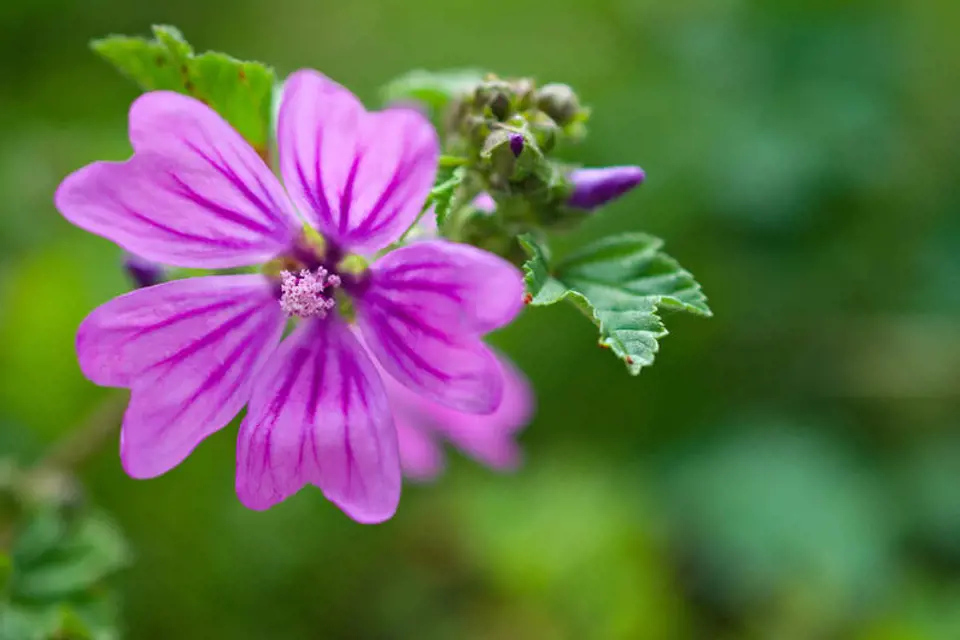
26,623
239,91
82,555
434,90
53,622
621,283
40,536
442,196
542,288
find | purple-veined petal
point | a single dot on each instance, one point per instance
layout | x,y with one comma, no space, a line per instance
360,177
459,288
453,370
490,439
420,456
424,311
188,350
487,438
319,415
194,194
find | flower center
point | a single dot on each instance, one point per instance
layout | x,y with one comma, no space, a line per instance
305,294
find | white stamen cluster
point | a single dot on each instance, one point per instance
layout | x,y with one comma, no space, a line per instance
302,294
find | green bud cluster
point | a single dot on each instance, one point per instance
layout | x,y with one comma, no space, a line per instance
506,129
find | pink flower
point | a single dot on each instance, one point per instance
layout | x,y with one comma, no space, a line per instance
193,352
423,424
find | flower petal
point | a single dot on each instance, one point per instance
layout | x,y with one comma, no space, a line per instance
360,177
490,439
320,416
487,438
456,287
424,311
188,350
421,457
194,194
452,370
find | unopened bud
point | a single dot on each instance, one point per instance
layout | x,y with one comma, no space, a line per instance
498,152
500,106
477,129
559,102
484,202
516,144
495,94
544,131
593,188
523,91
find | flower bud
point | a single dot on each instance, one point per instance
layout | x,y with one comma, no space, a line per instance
544,131
476,129
505,154
496,95
516,144
559,102
500,106
142,272
523,91
484,203
593,188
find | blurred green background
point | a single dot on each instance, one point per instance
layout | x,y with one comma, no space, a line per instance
787,470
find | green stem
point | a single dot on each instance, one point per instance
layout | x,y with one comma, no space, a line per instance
88,437
447,162
413,226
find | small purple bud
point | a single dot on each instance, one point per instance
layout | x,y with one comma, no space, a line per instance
484,203
516,144
593,188
142,272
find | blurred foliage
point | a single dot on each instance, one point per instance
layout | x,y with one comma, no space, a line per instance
56,555
787,470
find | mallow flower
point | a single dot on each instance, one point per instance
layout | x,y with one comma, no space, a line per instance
194,351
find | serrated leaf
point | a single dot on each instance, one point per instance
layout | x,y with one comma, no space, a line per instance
620,283
433,89
239,91
630,266
442,196
542,288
